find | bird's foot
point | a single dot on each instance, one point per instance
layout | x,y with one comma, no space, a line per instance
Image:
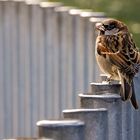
110,81
107,80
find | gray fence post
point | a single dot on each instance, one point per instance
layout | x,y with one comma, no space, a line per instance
85,47
96,123
136,114
51,54
74,53
24,78
7,67
2,126
96,70
64,59
10,59
31,49
130,119
112,102
61,129
130,116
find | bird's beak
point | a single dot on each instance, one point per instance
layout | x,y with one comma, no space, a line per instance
100,27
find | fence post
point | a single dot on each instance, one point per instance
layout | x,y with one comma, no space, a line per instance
109,100
136,113
96,123
51,80
85,47
96,71
61,129
64,47
10,66
2,71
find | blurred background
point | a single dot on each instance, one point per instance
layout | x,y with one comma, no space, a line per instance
125,10
47,57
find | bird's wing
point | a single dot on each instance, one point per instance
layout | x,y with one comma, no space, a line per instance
130,48
127,57
119,60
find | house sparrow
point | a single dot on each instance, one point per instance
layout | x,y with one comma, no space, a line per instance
117,56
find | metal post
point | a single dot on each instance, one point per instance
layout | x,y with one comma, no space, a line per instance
96,70
74,54
51,76
96,123
86,45
113,104
2,70
136,113
61,129
63,61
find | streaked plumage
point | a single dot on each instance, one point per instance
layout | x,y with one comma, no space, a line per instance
118,56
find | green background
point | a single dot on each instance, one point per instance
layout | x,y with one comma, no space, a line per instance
127,11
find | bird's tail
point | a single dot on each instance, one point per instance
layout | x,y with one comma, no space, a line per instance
127,92
126,89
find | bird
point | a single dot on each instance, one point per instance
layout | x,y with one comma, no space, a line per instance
117,56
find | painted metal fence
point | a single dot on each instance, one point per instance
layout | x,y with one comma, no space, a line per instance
46,59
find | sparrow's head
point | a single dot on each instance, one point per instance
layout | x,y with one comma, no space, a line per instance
110,27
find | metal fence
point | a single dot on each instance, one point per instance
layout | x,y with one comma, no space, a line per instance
46,59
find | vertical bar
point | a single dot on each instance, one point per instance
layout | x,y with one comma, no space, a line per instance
62,23
88,44
34,65
21,75
136,113
14,46
51,46
74,14
79,55
24,21
85,15
51,81
96,70
127,126
56,66
7,70
70,58
49,67
2,93
41,59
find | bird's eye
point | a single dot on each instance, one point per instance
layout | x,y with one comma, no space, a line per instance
106,26
109,27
